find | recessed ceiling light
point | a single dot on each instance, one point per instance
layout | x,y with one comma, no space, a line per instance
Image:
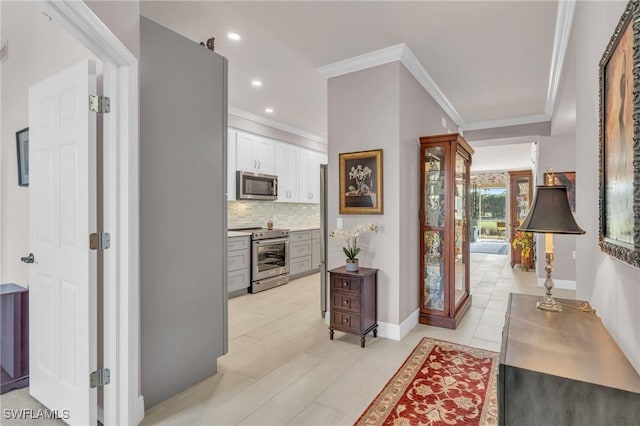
256,83
233,36
268,110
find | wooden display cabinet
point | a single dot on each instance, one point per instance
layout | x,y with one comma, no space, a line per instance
520,194
445,162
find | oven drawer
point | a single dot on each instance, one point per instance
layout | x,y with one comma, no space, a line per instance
300,249
345,302
345,321
345,283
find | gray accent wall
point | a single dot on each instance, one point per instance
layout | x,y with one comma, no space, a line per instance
384,107
182,212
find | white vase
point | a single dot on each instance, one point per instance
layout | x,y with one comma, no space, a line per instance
352,265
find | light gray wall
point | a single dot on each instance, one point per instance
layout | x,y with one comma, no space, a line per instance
384,107
612,287
559,154
363,114
420,115
182,212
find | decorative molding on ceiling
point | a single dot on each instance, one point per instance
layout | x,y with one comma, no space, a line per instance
362,62
564,21
275,124
504,141
507,122
402,53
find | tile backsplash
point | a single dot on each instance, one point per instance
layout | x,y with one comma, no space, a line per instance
247,213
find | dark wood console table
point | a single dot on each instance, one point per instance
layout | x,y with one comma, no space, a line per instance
563,368
14,337
353,302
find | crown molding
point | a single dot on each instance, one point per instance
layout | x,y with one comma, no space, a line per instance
402,53
507,122
564,22
275,124
362,62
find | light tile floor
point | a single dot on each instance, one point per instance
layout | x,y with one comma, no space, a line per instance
283,369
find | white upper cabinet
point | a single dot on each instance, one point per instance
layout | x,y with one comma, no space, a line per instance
287,170
255,153
310,175
231,164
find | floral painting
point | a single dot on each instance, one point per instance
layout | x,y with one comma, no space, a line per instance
361,182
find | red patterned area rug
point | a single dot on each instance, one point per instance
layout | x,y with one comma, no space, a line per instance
441,383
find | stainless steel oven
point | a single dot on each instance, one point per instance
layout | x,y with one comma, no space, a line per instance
269,259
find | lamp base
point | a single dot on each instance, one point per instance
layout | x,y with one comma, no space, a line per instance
548,303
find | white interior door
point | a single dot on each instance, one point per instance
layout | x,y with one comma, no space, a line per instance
62,280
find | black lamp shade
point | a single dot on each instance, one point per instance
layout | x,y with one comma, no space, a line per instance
551,213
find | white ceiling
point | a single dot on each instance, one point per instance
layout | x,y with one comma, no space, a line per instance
491,60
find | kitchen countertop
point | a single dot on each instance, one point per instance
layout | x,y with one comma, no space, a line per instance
231,234
301,227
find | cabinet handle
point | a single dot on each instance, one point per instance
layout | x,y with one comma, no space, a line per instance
346,320
259,164
346,302
345,284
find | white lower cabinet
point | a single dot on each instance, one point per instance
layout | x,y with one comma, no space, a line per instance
238,265
301,253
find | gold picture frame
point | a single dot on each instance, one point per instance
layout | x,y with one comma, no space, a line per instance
619,145
361,182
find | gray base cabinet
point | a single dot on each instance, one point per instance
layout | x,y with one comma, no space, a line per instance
304,252
238,265
562,368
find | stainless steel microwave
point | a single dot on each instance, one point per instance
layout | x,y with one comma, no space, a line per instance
256,186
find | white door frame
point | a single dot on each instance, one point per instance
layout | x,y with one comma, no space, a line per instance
123,404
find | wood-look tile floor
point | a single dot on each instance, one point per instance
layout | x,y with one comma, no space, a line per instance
283,369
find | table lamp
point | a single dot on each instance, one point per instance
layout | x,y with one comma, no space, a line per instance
550,215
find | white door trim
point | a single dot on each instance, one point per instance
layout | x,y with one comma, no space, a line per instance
123,404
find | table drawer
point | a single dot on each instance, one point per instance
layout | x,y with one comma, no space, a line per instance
346,321
345,301
239,259
300,249
346,283
237,243
298,236
237,280
300,265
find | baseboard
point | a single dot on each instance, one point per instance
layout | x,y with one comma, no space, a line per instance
139,409
395,331
561,284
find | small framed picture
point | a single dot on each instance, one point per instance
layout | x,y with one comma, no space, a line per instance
361,182
22,147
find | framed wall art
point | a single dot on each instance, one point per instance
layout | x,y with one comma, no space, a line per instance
22,148
567,179
619,146
361,182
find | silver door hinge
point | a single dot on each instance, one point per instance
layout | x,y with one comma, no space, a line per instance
101,104
99,241
100,377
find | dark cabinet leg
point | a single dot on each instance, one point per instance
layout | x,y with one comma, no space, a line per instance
331,334
375,332
362,341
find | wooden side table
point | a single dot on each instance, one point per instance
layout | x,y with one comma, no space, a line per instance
14,330
353,305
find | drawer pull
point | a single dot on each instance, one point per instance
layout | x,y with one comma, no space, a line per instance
346,320
345,284
346,302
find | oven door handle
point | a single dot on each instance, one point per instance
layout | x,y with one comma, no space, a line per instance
272,241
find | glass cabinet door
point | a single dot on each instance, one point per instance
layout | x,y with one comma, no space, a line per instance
434,271
460,228
434,172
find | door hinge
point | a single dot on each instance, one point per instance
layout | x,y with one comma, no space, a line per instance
101,104
99,241
100,377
